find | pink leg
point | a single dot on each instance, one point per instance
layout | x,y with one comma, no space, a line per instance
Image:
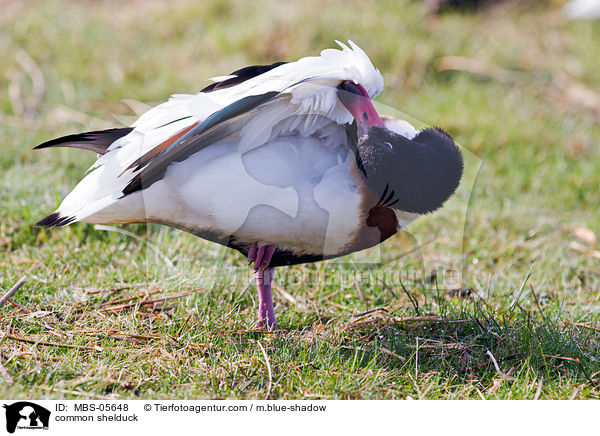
261,256
266,312
252,252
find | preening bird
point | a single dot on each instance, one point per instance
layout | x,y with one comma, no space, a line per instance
287,163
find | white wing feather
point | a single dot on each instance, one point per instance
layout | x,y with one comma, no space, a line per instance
310,82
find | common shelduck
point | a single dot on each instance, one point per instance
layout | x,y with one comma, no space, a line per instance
286,163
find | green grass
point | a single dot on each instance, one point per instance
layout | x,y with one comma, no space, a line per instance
531,138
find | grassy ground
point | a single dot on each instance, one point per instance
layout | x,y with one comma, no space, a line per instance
517,86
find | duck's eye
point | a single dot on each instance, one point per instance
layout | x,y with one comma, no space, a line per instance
388,145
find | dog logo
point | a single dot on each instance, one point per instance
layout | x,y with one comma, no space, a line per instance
26,415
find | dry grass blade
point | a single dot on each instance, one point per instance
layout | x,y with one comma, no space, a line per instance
496,366
380,316
409,319
152,301
538,391
12,291
361,294
444,346
368,312
593,382
289,297
391,353
127,300
575,393
128,336
57,344
268,369
580,324
177,335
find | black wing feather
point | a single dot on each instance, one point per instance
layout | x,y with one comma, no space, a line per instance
97,141
242,75
55,220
